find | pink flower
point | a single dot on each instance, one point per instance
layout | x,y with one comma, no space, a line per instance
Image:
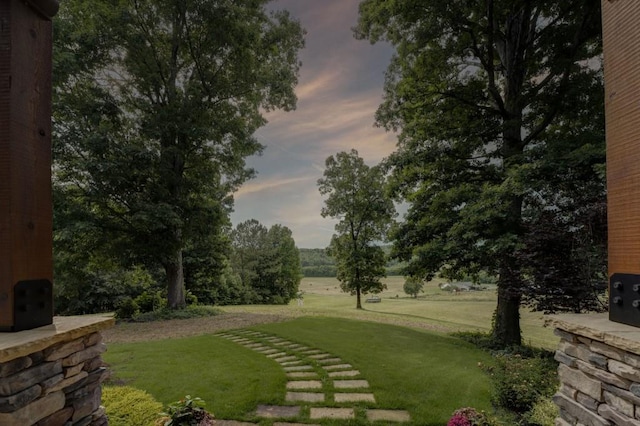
458,420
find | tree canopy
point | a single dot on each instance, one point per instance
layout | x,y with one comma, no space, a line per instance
355,195
491,99
155,107
267,261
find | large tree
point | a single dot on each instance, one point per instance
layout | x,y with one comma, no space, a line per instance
267,261
473,89
153,128
356,196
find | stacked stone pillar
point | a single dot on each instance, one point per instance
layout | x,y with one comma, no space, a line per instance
51,376
599,371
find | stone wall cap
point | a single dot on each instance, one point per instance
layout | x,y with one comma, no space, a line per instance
23,343
599,327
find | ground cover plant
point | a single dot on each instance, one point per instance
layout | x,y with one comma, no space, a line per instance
126,406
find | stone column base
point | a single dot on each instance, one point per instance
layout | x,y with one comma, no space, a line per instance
599,371
52,375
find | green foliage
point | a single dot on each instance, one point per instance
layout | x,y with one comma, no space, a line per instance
317,263
543,413
127,309
355,195
155,107
524,378
413,286
126,406
478,339
520,381
469,416
149,301
163,314
500,120
188,412
267,262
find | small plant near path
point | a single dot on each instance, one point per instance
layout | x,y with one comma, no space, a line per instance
187,411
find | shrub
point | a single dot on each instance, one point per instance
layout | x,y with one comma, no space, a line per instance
469,417
149,301
479,339
190,298
126,406
543,413
519,382
192,311
188,412
127,309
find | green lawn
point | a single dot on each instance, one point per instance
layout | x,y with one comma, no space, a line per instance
437,309
429,374
231,379
426,373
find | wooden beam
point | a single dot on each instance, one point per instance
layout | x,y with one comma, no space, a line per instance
26,210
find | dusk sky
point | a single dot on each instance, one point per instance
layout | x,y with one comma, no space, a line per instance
339,90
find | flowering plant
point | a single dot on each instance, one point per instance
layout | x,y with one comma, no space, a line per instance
468,417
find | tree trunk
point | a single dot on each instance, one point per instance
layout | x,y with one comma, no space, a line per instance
506,326
358,302
175,282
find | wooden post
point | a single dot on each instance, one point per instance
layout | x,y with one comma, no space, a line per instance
621,38
26,209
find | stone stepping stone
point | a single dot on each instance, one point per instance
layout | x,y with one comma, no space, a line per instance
304,397
320,356
240,340
332,413
282,343
260,349
304,384
274,339
276,354
278,412
296,346
286,358
288,363
350,384
329,361
346,373
268,351
354,397
254,345
337,367
302,374
398,416
311,351
298,368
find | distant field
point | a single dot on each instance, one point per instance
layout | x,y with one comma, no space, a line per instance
434,309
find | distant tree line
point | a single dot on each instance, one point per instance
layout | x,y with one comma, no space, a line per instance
317,263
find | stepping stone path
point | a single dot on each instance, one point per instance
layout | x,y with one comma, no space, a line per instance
320,386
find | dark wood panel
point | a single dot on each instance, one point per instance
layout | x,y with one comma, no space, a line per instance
25,150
